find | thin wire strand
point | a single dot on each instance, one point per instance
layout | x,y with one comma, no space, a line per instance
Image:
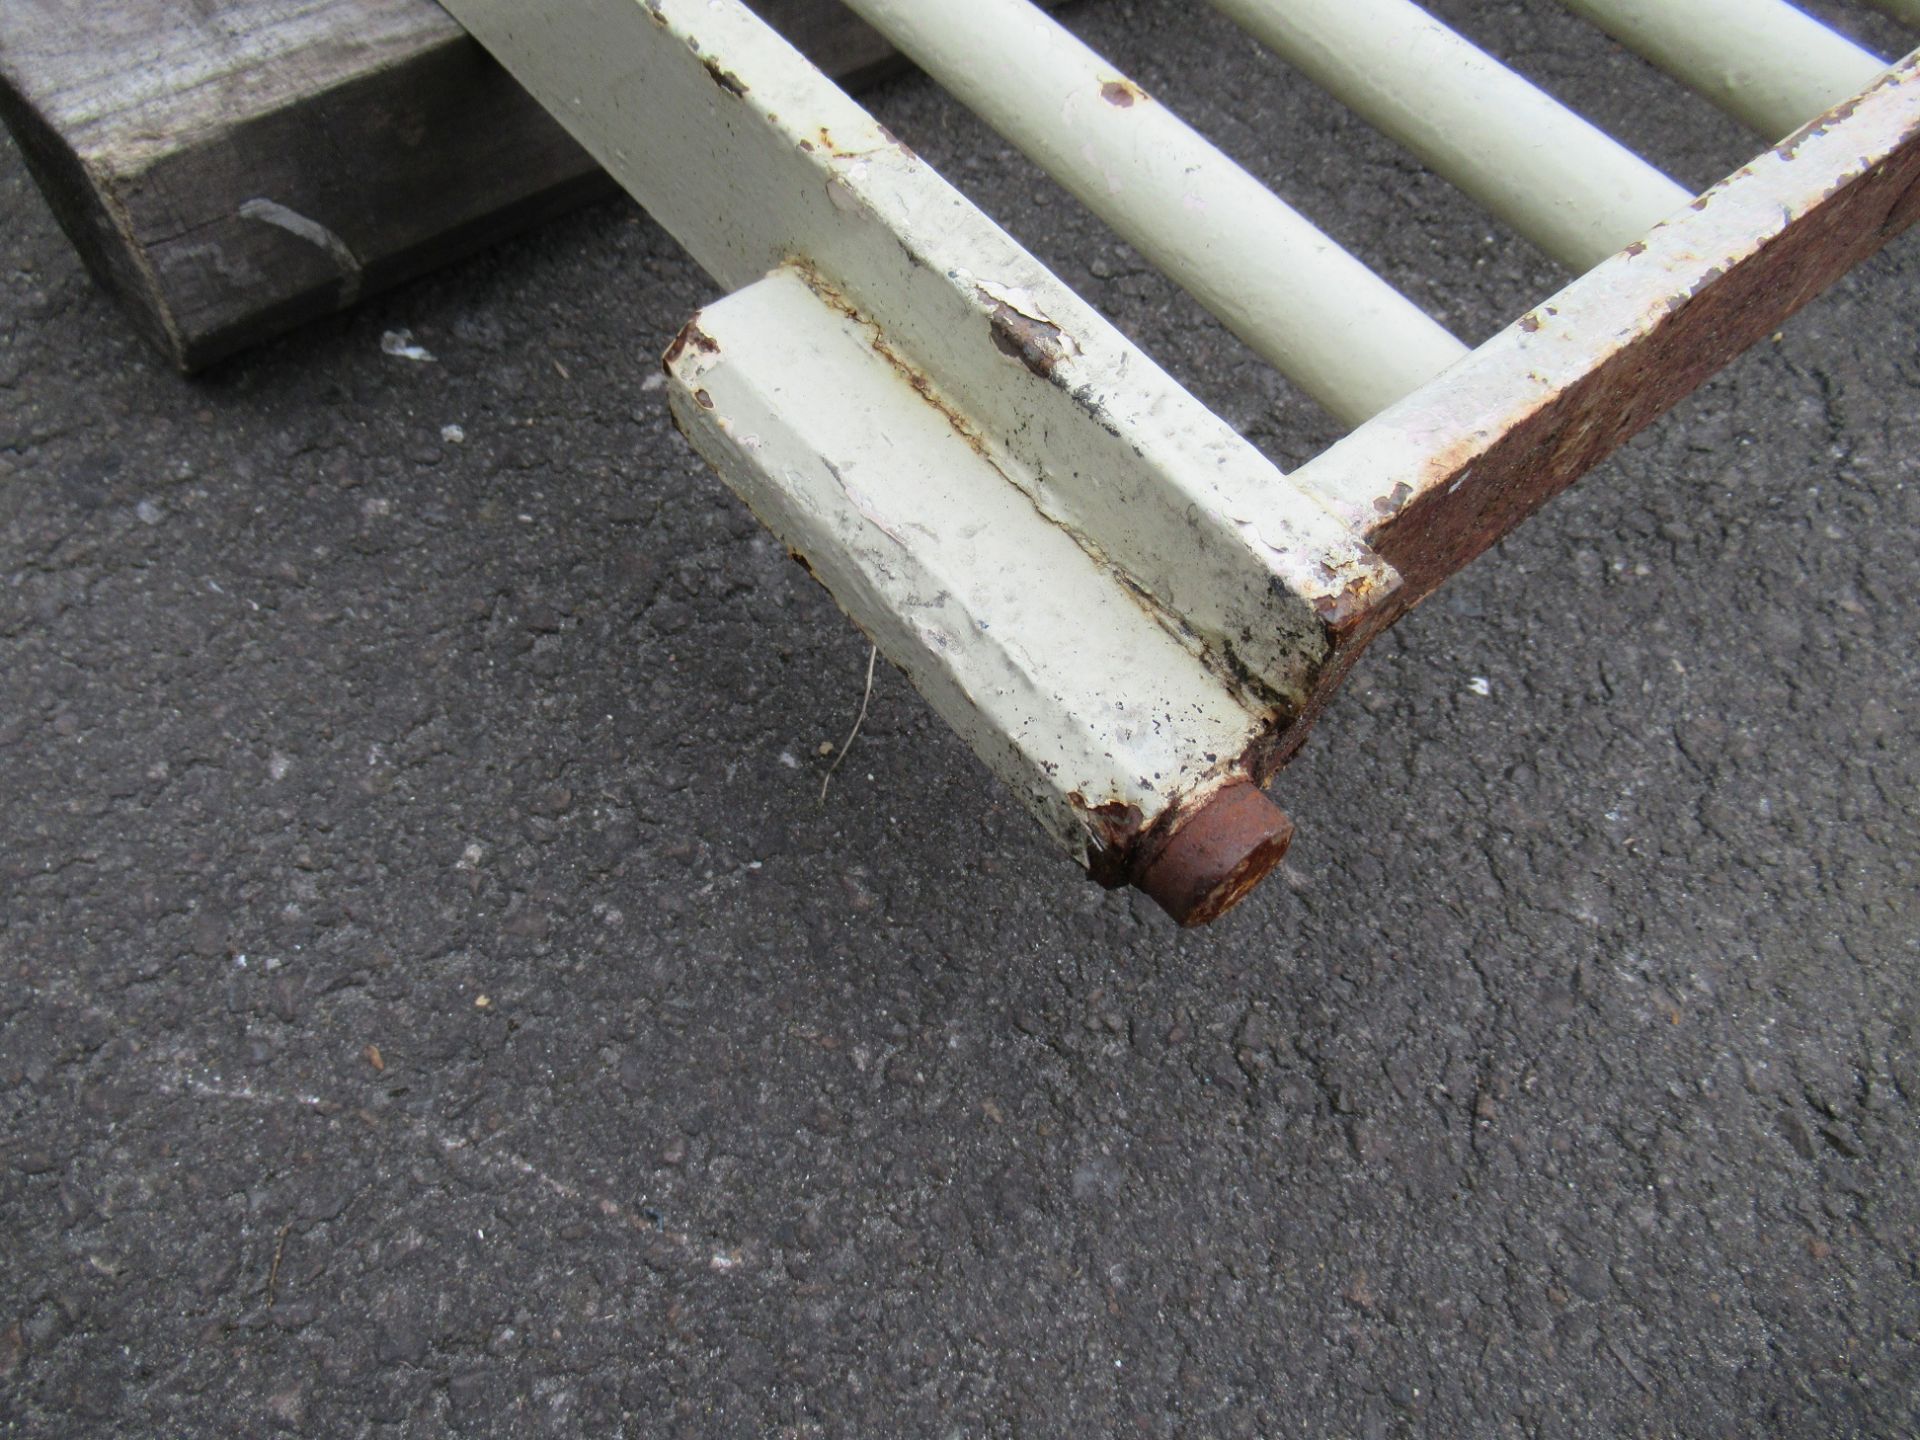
873,655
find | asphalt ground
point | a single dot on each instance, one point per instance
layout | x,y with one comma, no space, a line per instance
437,1000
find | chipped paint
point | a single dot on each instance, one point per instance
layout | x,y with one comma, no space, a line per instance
729,82
1022,331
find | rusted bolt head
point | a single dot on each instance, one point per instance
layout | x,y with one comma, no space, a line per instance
1217,854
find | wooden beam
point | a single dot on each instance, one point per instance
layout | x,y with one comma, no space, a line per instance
232,169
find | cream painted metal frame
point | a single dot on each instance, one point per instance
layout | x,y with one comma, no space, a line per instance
1129,613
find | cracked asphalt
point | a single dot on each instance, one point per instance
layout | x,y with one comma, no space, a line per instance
436,999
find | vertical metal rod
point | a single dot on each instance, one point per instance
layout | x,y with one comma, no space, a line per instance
1286,288
1764,62
1564,184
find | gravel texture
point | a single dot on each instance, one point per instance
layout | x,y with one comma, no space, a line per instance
437,1001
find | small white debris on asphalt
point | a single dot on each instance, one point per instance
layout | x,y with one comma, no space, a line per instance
653,381
148,513
278,765
399,344
453,434
1480,685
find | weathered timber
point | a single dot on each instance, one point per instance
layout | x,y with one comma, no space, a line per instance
233,168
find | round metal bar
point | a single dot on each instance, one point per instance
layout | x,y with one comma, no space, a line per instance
1291,292
1563,183
1767,64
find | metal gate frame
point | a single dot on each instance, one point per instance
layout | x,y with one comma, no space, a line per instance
1131,615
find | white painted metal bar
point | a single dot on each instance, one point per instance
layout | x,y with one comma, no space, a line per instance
1059,679
1294,295
1563,183
1768,64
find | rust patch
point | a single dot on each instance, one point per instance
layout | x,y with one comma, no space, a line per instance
1637,248
1390,502
1339,609
691,337
1040,345
723,77
1495,474
1115,830
1196,861
1122,93
706,400
1905,211
1216,854
1530,322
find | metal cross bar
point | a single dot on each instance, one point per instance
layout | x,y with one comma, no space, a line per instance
1769,65
1309,308
1564,184
1127,612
